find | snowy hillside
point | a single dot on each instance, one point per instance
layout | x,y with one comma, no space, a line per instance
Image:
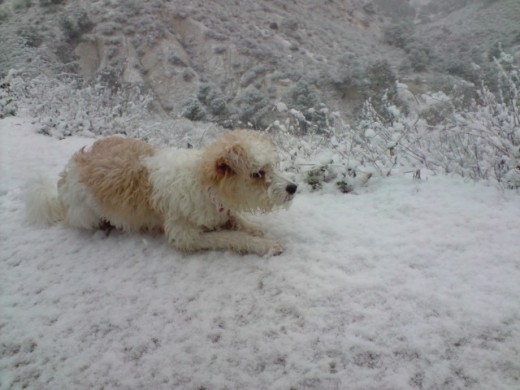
219,60
404,284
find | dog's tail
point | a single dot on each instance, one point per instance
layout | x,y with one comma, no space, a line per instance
42,204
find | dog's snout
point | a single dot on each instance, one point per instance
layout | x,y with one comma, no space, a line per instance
291,188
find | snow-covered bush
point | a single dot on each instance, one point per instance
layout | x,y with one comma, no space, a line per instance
47,3
461,67
213,99
65,106
484,141
253,107
209,104
8,104
10,87
480,141
419,56
193,110
30,35
360,82
4,14
436,110
14,50
303,99
398,34
73,26
68,106
322,158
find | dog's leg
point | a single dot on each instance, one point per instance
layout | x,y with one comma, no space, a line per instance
190,239
238,223
240,242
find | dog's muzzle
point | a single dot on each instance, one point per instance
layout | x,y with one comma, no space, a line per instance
282,189
291,188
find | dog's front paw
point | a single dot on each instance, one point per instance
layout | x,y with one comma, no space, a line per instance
275,249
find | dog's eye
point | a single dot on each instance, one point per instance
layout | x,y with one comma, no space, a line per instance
258,175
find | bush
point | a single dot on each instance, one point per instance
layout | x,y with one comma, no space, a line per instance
375,81
193,110
437,113
484,142
444,6
401,35
419,56
325,174
314,117
74,27
253,107
66,106
47,3
370,81
495,51
31,36
461,92
22,4
4,15
348,74
379,87
301,97
462,68
208,105
8,106
379,78
480,141
398,35
213,99
69,28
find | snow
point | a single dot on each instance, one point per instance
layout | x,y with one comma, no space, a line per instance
406,284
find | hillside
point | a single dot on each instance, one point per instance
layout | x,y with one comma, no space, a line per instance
229,61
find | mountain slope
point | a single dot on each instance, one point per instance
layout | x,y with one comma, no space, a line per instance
217,60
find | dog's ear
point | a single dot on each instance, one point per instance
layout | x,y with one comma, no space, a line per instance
232,160
222,167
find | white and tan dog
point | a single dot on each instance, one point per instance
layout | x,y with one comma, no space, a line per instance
195,197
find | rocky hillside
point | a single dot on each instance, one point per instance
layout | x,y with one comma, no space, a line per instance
229,61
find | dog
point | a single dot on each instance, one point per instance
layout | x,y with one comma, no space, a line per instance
197,198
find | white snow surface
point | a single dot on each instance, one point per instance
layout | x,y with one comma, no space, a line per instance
404,285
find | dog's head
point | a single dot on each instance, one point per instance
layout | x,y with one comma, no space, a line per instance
241,170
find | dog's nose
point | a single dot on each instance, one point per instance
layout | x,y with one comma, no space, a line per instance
291,188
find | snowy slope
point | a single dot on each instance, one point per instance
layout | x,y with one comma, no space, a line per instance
405,285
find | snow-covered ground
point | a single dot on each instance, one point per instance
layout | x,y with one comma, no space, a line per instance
404,285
